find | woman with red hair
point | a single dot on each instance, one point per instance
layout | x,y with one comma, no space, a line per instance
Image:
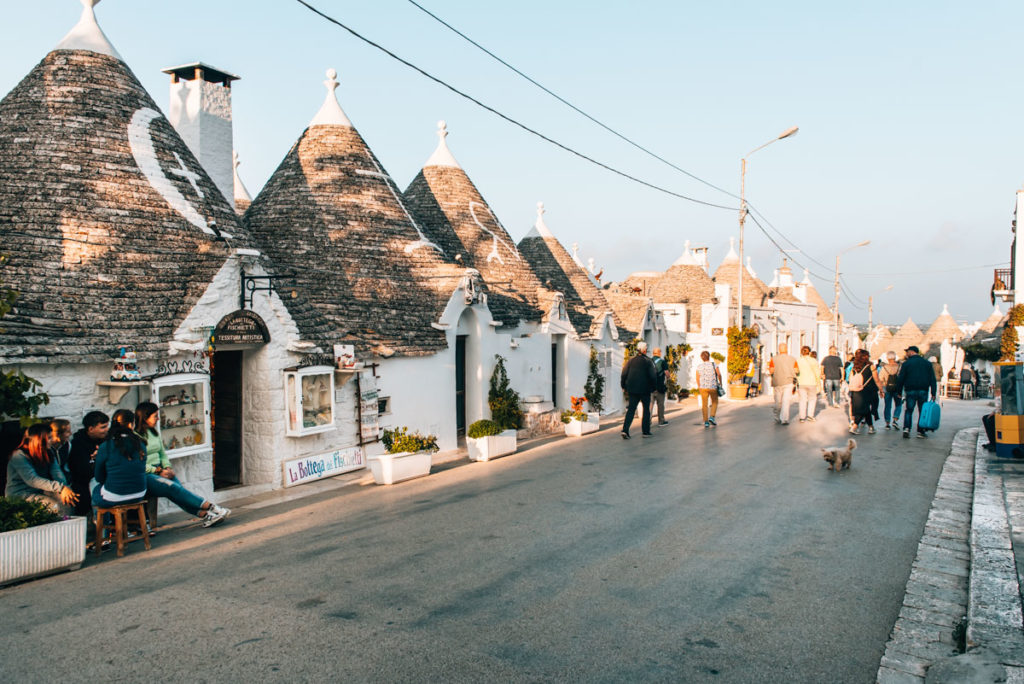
32,473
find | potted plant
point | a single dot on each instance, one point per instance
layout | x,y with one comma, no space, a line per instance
579,422
405,456
486,439
35,541
593,390
740,357
502,399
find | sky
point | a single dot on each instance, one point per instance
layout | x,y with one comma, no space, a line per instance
910,133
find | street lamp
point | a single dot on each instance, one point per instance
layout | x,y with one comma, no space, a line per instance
835,308
743,217
871,303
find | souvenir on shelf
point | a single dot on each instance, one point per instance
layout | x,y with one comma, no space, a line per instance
125,367
310,400
184,414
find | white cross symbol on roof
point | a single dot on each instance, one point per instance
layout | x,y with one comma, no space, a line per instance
187,175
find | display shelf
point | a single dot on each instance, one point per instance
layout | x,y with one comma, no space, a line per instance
309,396
116,389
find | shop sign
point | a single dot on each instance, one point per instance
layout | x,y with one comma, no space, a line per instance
328,464
241,327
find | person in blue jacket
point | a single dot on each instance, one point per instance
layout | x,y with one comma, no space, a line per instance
120,469
916,380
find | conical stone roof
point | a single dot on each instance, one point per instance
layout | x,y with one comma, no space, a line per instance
944,327
879,341
992,322
113,229
453,214
755,292
334,218
908,334
556,270
682,284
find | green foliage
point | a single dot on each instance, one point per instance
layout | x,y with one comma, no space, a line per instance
502,399
400,441
740,351
685,348
593,390
673,355
484,428
17,514
980,352
569,414
717,357
630,350
1008,344
19,394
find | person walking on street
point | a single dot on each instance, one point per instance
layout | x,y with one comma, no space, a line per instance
893,402
807,380
638,380
660,389
782,368
864,389
708,381
966,382
832,372
915,381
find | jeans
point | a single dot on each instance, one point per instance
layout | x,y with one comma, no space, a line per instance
808,401
832,391
659,401
891,415
913,397
170,488
783,397
706,395
645,422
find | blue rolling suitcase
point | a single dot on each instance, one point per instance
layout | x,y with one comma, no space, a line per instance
931,413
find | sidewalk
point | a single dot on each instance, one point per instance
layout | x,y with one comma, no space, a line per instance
961,619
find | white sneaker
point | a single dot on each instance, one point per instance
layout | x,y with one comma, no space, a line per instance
215,514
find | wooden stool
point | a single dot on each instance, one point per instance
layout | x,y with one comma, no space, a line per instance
120,525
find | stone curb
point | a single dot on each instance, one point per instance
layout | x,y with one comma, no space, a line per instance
937,591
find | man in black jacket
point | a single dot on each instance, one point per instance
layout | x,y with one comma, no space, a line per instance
81,459
915,380
638,380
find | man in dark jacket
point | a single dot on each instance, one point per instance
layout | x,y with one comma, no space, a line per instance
638,380
915,380
81,459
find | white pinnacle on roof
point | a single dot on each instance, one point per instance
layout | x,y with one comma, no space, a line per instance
750,269
442,155
731,257
540,229
240,192
87,34
576,255
775,279
330,113
686,258
807,278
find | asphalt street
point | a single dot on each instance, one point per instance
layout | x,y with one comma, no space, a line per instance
723,555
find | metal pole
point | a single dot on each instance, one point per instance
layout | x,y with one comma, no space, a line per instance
743,217
835,306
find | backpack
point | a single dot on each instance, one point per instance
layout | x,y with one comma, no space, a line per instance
890,381
857,381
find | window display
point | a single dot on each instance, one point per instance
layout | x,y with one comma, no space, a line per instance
184,413
310,400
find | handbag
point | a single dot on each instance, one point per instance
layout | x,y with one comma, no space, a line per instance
718,376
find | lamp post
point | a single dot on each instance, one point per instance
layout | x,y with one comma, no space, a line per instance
835,308
871,305
743,217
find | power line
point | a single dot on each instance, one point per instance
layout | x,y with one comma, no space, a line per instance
939,270
507,118
566,102
783,251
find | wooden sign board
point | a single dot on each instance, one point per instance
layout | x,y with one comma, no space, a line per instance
241,327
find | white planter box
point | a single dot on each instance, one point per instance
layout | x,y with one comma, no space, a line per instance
392,468
42,550
486,448
578,428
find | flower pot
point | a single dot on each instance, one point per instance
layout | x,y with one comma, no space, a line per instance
391,468
42,550
578,428
737,391
486,448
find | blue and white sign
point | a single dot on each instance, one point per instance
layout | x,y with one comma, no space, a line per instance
328,464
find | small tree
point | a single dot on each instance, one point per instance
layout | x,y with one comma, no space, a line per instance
502,399
20,397
1008,344
740,353
673,355
593,390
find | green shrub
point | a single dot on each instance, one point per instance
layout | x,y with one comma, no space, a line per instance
593,390
740,352
399,441
17,514
717,357
502,399
569,414
484,428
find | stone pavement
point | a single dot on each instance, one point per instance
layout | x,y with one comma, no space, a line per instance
961,618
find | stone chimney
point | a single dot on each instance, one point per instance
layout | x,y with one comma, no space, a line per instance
201,113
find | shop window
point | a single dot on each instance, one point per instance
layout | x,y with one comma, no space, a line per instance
309,394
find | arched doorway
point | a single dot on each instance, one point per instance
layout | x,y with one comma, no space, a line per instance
468,372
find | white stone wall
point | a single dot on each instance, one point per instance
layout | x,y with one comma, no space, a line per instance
201,113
